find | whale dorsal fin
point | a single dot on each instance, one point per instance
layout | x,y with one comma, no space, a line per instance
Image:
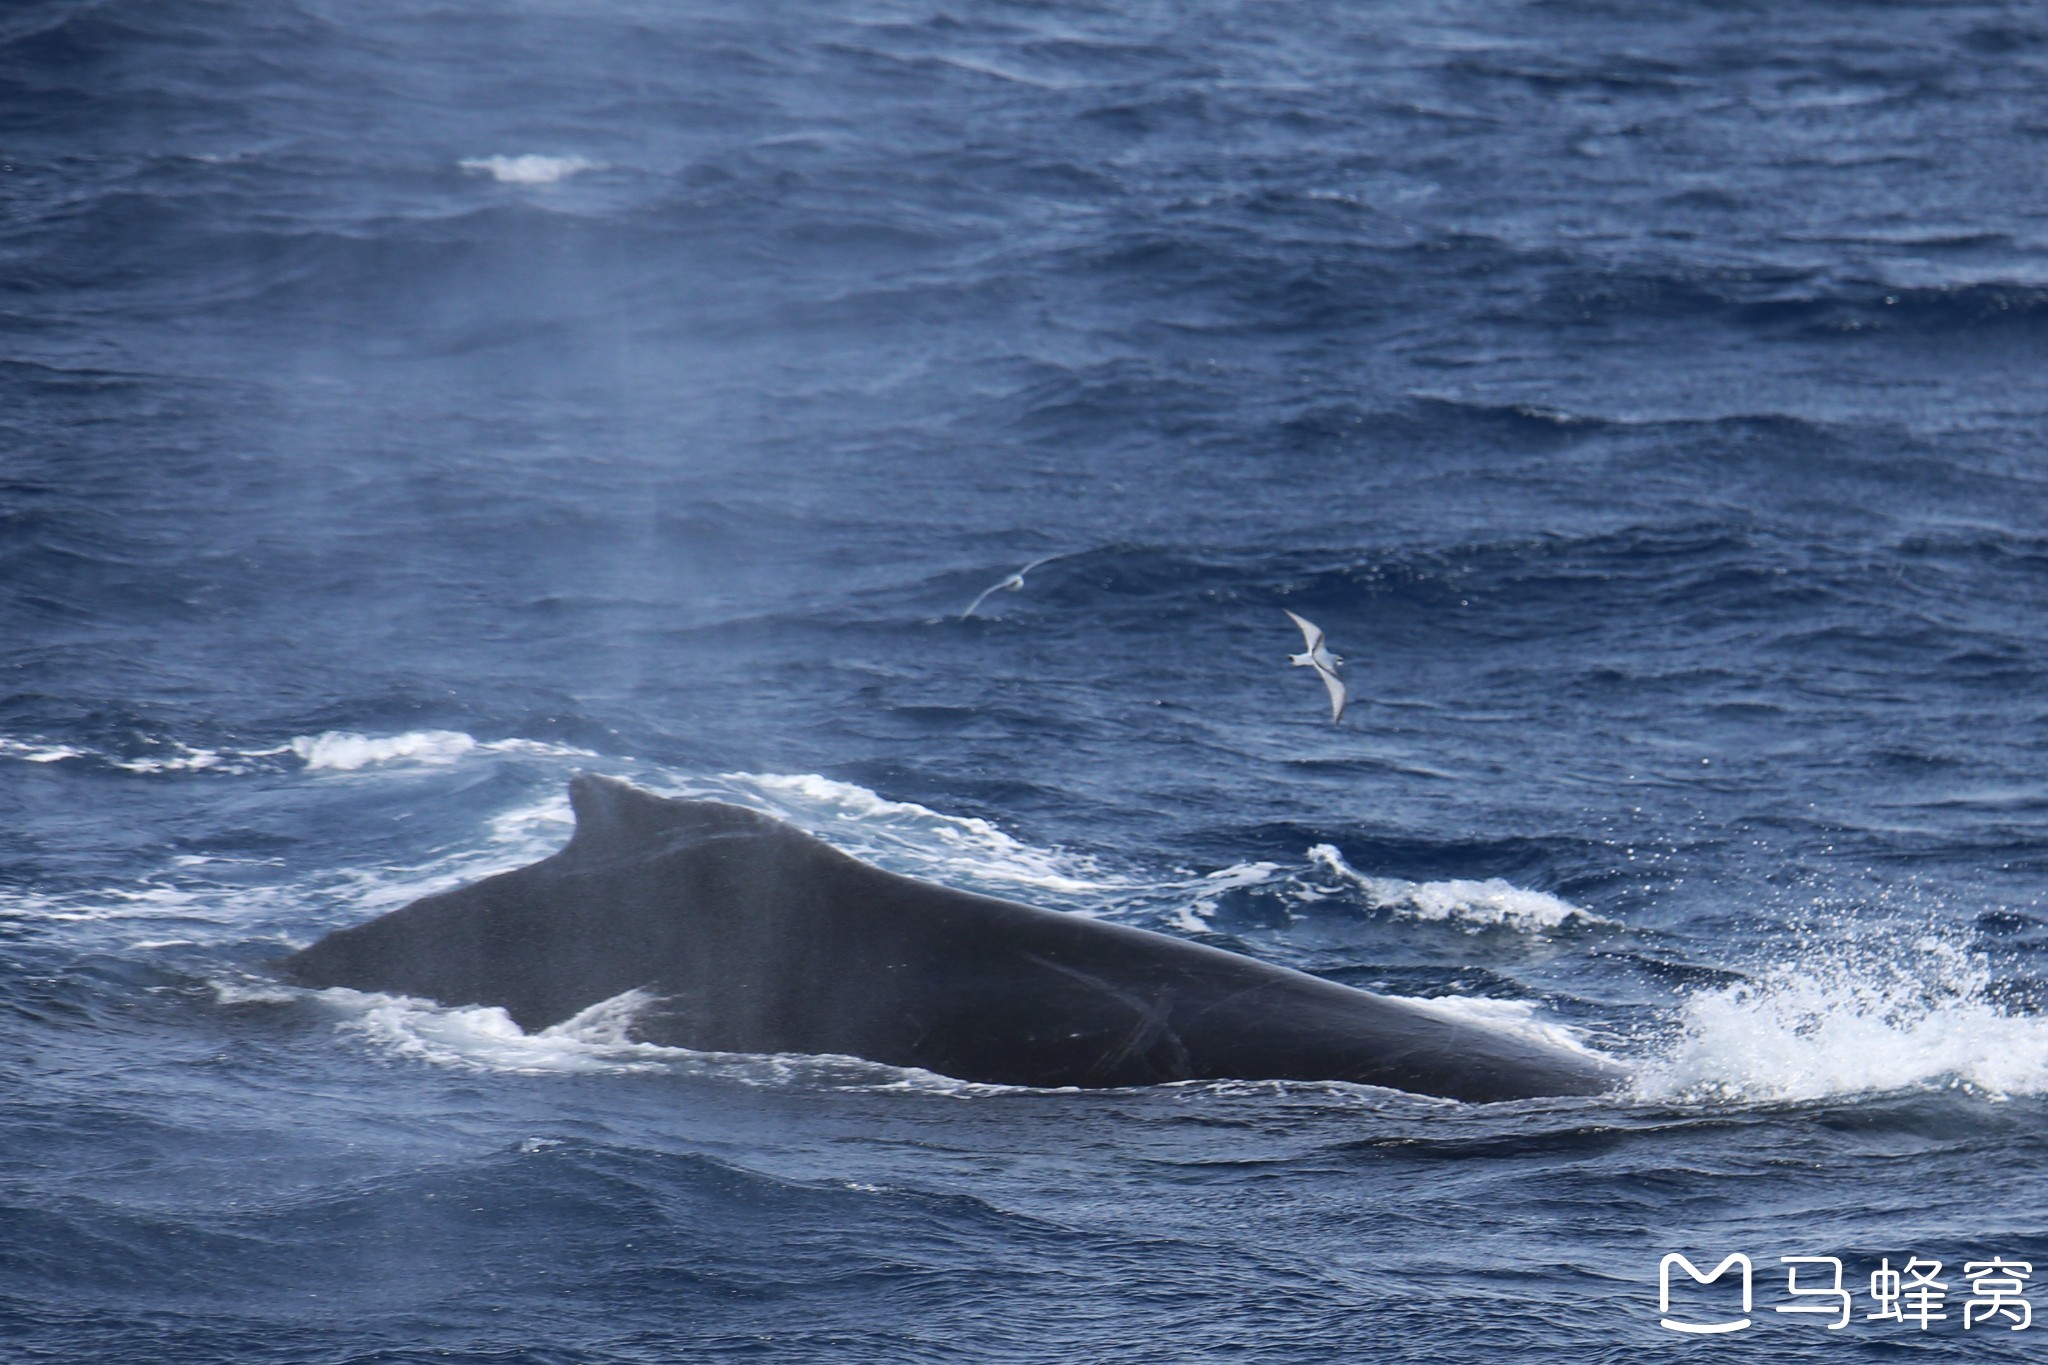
612,815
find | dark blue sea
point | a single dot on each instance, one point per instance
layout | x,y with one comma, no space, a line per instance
408,404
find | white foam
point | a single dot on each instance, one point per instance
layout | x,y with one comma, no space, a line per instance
945,845
251,991
539,827
484,1037
1192,914
38,753
529,169
1523,1018
346,751
1475,904
331,751
517,836
171,757
182,759
1849,1018
140,901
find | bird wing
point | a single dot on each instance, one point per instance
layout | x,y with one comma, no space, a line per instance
1338,696
994,587
1046,559
1310,631
1014,581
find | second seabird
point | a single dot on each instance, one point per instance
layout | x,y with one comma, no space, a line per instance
1014,583
1319,657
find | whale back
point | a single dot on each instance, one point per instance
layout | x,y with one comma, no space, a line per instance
752,936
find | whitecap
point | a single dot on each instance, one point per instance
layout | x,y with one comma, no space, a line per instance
529,169
485,1038
346,751
38,753
141,901
1193,914
1848,1018
182,758
1476,904
251,991
943,846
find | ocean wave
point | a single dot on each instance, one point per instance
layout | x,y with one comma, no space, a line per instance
175,757
144,900
1195,903
349,751
28,751
1851,1017
340,751
530,168
1791,300
1484,904
941,845
346,751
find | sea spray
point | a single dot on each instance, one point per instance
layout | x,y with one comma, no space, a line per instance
1850,1013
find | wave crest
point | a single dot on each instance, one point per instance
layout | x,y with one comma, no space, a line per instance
1845,1020
1492,903
530,168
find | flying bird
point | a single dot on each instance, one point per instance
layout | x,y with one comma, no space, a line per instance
1014,583
1319,657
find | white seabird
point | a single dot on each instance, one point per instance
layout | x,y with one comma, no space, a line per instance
1014,582
1319,657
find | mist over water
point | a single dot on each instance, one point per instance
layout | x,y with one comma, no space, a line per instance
403,409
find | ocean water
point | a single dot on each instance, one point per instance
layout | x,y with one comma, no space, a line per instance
405,406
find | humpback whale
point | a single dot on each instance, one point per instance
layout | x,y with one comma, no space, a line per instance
752,936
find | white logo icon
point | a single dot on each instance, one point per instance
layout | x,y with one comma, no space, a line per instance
1664,1291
